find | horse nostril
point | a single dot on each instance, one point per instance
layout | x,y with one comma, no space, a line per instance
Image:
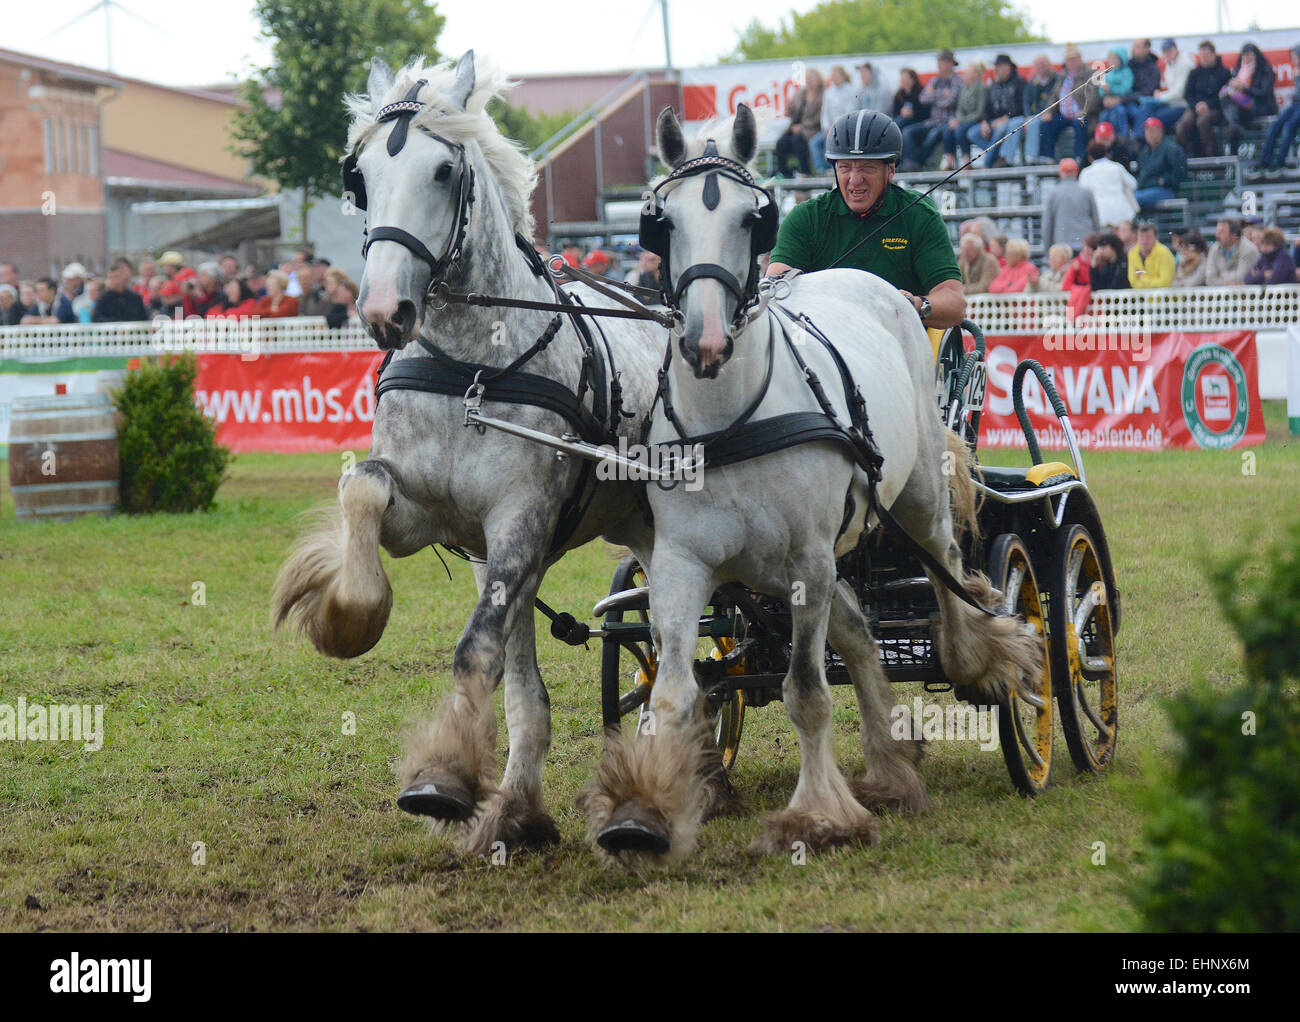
404,317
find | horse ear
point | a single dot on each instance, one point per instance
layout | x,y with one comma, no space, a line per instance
672,146
464,85
744,134
380,82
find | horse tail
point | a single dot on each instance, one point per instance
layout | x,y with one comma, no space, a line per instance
960,469
333,587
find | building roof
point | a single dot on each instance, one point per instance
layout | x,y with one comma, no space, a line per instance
127,170
72,72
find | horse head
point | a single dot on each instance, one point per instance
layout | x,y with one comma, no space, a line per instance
709,221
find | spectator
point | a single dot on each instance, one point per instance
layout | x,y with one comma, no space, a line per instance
805,112
11,309
71,284
118,303
1231,256
1005,113
1109,271
1058,262
169,302
598,263
41,310
314,301
205,289
872,92
1191,261
1248,94
571,252
1171,104
940,96
1274,265
277,304
1070,211
342,293
1118,149
1041,91
646,273
83,306
907,107
998,248
1162,166
26,296
229,265
1019,274
817,138
148,270
1126,231
1112,186
9,275
840,98
1282,132
978,267
1253,230
1116,89
1195,131
1146,79
1080,100
972,109
1077,282
1150,264
171,262
981,225
299,273
236,301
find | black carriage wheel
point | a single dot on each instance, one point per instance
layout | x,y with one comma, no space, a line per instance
1083,651
1025,723
730,718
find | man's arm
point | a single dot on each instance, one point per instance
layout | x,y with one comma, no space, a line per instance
947,304
776,269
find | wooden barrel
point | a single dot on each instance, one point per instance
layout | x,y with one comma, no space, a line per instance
63,458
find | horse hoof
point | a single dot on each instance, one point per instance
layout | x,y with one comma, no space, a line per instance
446,800
633,829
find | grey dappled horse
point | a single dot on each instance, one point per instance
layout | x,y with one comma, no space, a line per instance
776,523
429,479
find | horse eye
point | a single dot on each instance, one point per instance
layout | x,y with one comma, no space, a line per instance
443,172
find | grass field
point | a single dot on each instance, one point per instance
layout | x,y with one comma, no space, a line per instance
219,732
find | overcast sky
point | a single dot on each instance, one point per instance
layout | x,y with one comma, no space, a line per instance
194,43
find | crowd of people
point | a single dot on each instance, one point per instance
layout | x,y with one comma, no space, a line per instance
1013,118
166,287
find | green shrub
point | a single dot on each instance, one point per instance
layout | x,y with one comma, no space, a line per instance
1224,820
171,460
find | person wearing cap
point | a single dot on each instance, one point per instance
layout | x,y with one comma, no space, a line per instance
169,299
1150,264
71,283
1162,166
940,96
170,262
597,262
899,235
1195,131
1117,147
1080,100
1282,132
1069,210
873,93
1170,102
998,132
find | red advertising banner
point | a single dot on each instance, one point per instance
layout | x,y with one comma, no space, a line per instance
317,401
1130,392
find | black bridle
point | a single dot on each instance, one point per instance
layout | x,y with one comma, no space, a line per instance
403,111
654,234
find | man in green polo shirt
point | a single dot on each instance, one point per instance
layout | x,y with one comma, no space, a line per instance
910,249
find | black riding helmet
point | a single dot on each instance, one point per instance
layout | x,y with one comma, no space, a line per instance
864,135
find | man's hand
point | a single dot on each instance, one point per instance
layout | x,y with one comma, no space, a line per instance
947,304
1202,107
986,129
953,123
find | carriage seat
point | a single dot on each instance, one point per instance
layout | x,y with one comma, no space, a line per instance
1047,474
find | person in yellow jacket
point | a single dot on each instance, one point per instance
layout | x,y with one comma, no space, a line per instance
1150,264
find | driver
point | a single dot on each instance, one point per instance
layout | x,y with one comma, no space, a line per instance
912,251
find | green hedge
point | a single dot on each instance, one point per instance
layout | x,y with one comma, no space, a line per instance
171,460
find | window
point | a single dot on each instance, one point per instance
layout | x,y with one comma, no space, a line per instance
49,146
61,144
92,142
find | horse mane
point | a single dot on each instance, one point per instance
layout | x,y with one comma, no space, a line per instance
515,173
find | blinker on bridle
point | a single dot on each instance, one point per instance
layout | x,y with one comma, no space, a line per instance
402,112
654,230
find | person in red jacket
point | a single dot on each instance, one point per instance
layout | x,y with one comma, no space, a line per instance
276,304
1077,282
237,300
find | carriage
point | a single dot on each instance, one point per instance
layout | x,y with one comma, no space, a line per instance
1041,543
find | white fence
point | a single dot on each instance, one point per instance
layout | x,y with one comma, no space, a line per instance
1195,310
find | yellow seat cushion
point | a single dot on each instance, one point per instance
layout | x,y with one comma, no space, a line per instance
1047,470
